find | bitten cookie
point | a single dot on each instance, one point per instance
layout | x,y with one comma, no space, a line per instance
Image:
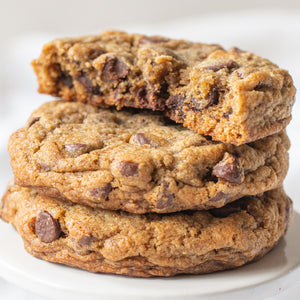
138,162
233,96
151,244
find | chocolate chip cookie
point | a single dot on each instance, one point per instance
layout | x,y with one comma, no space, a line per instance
233,96
192,242
138,162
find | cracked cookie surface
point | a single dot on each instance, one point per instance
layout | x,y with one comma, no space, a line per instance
234,96
105,241
138,161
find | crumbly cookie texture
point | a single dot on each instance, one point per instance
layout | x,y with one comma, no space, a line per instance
233,96
138,162
147,245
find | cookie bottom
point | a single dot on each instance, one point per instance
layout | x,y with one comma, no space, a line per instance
140,268
194,242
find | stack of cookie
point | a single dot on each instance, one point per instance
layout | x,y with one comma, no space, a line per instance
134,191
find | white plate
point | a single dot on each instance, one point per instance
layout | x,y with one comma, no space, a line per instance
58,281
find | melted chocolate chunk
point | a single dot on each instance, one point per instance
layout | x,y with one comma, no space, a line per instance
175,103
47,228
66,80
163,91
231,64
141,94
129,168
212,97
113,70
88,84
229,169
102,191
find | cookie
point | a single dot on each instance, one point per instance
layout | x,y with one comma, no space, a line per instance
106,241
138,162
233,96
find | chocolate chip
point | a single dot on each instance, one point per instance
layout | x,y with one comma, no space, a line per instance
66,80
129,168
165,201
44,167
141,139
227,114
165,198
212,97
47,228
175,103
113,70
142,96
102,191
85,240
33,121
229,169
88,84
231,64
157,96
230,208
76,149
153,39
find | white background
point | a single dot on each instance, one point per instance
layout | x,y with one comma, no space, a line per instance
268,28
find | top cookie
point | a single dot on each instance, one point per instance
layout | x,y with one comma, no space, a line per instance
233,96
138,162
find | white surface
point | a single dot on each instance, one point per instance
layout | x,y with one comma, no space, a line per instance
275,35
76,17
